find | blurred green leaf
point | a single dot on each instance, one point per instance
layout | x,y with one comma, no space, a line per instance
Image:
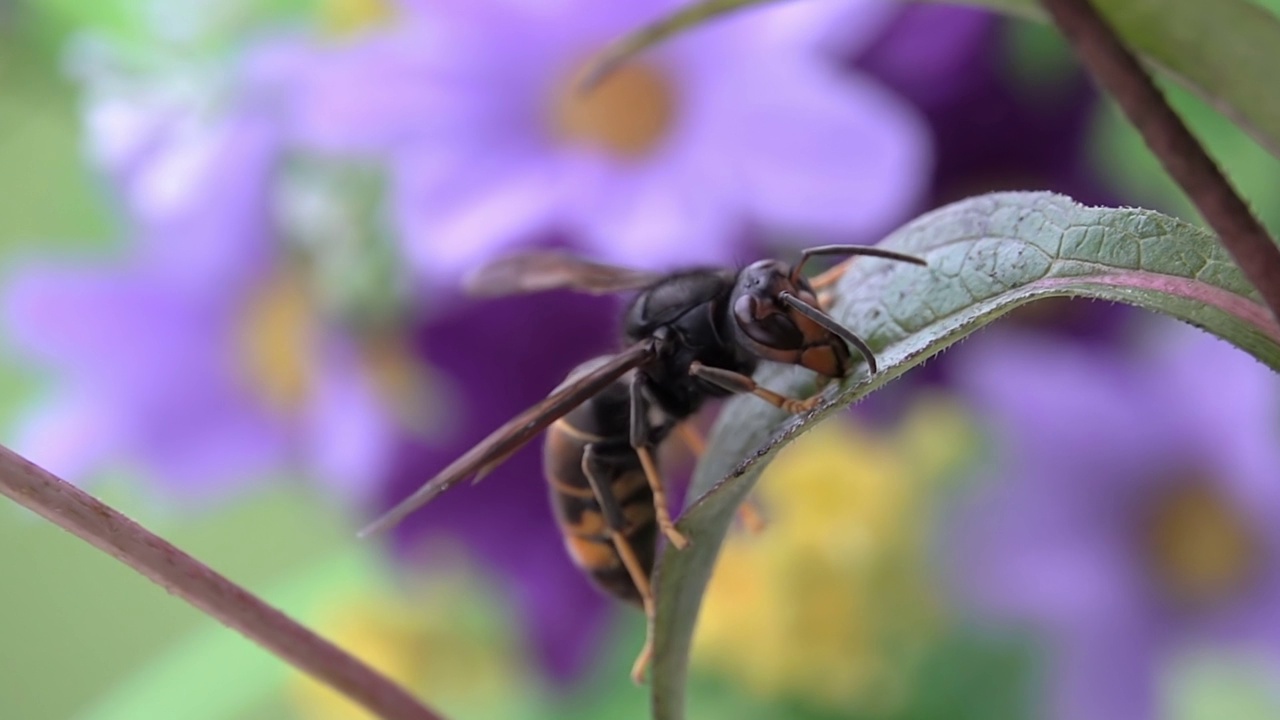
50,199
148,24
1036,59
1128,162
976,675
1226,51
60,651
215,674
987,255
1208,686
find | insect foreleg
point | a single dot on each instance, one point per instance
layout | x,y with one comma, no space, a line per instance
736,382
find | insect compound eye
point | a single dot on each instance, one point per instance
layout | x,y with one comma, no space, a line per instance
768,325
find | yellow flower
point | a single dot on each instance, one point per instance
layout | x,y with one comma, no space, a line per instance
833,599
446,642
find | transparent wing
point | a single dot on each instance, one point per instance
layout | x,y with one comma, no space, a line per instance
552,270
504,441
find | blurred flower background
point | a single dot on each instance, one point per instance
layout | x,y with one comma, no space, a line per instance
232,235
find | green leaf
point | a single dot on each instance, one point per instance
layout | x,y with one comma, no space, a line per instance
245,675
987,255
1118,148
1226,51
1203,685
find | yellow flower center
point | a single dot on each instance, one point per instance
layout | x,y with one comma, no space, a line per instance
1200,549
278,332
627,115
346,17
402,382
835,590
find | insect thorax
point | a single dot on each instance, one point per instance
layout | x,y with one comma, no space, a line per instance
689,311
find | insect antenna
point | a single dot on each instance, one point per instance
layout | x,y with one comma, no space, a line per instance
851,250
831,324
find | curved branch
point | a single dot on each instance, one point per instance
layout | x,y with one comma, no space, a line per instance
1183,157
106,529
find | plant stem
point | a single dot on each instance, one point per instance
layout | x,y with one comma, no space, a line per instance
106,529
1118,71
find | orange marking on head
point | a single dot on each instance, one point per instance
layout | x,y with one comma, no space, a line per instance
825,360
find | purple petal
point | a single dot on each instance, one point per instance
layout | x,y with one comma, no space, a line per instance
565,617
209,443
363,97
152,365
455,211
990,132
203,205
69,436
1105,675
1048,399
660,216
94,322
125,132
838,28
932,53
501,358
1224,405
826,153
348,429
1043,553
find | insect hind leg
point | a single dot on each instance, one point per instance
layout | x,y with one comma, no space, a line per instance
640,443
826,279
615,525
749,511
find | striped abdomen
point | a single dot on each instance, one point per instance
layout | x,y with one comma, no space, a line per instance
581,520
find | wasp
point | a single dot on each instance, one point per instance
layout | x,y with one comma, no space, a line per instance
691,336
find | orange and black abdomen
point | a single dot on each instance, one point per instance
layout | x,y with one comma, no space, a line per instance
581,520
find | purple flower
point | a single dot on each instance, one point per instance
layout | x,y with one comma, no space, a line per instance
202,358
992,132
1137,513
749,121
499,358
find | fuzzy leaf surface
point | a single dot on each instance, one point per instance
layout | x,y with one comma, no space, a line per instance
987,256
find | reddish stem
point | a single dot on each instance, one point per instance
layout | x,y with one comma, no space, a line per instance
1118,71
89,519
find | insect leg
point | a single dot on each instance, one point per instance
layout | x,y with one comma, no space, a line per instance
750,516
691,438
615,523
748,512
739,383
640,434
831,276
